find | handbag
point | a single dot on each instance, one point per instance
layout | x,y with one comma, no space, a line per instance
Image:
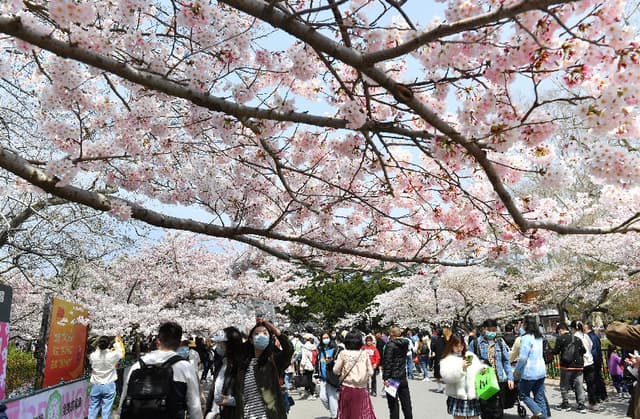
487,383
331,378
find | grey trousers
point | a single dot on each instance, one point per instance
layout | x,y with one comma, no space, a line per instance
571,379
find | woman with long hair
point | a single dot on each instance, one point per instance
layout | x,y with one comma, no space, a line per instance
228,354
458,369
258,389
532,370
424,351
354,368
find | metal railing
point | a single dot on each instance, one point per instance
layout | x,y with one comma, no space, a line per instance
553,368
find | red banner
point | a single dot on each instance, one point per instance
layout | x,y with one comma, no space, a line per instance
66,343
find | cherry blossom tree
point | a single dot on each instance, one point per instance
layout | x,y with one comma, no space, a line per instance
464,296
587,274
42,236
369,130
179,278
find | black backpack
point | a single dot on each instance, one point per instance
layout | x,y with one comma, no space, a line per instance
151,393
572,353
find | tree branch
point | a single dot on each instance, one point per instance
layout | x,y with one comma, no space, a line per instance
14,27
468,24
21,168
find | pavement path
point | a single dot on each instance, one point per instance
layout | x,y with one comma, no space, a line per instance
427,404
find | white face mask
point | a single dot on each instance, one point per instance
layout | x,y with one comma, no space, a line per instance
261,341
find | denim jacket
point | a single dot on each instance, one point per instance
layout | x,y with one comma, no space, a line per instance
531,364
503,366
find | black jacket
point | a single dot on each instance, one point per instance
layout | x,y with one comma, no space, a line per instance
438,344
561,345
227,386
395,359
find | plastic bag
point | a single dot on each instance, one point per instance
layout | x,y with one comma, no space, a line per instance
487,383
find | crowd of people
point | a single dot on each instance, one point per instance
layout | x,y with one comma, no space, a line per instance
253,374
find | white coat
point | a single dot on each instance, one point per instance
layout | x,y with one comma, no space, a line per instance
460,383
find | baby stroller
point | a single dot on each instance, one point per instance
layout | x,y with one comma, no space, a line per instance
510,399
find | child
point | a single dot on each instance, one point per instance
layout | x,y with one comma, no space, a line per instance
614,363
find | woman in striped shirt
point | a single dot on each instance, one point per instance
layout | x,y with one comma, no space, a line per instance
258,388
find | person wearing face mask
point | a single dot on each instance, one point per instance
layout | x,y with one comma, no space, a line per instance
258,390
494,352
327,354
227,355
458,369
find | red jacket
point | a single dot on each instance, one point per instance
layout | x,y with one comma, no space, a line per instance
374,355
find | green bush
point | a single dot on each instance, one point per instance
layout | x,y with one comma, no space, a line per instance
21,371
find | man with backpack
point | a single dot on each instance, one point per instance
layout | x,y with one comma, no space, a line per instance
571,352
162,384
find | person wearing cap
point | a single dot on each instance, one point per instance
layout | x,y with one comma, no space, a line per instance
227,355
103,376
307,365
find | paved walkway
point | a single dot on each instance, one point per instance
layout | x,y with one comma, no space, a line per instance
430,405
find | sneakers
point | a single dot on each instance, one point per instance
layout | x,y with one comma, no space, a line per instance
595,407
581,409
312,397
564,406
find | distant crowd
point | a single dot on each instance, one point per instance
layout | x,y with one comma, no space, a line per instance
482,371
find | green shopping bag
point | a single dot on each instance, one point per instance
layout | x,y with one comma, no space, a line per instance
487,383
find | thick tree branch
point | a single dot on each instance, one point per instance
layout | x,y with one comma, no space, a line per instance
14,27
21,168
468,24
20,218
351,57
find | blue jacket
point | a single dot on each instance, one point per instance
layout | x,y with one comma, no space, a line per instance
531,364
325,353
596,348
503,366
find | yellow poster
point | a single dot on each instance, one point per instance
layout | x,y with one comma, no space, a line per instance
66,343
